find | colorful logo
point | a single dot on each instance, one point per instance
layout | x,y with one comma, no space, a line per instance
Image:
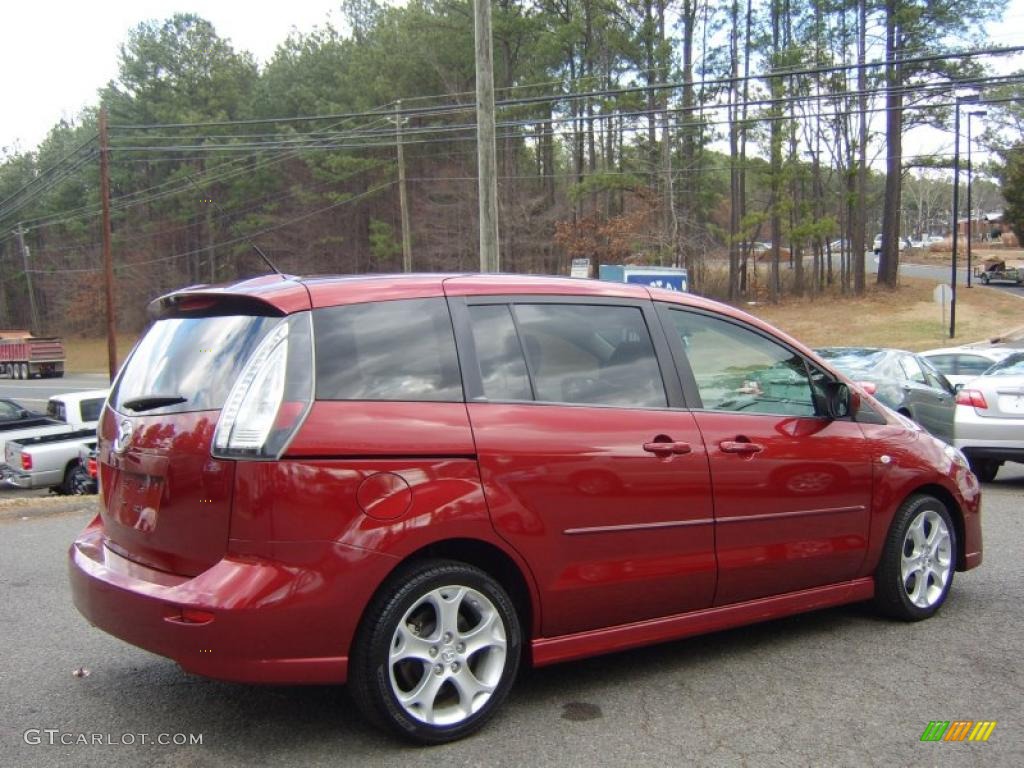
958,730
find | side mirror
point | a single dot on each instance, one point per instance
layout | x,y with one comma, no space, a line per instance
838,400
958,387
22,414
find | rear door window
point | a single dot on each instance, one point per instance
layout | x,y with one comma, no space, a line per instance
587,355
389,350
91,408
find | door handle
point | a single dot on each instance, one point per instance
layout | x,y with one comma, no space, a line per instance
740,446
666,448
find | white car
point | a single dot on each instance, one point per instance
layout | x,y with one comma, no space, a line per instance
989,419
961,364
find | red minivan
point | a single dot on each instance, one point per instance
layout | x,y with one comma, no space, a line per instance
416,483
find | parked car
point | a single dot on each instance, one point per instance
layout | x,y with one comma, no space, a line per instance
15,416
66,413
49,461
990,417
961,364
905,382
418,483
876,246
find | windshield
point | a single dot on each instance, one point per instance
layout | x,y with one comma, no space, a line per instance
194,361
1011,366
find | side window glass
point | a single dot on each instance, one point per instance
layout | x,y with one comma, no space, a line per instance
502,367
7,411
947,364
590,355
912,370
388,350
739,370
972,364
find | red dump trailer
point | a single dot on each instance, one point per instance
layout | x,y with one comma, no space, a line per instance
27,356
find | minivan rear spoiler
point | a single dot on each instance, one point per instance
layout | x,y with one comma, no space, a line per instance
264,297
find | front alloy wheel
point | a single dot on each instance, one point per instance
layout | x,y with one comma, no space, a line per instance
438,652
918,562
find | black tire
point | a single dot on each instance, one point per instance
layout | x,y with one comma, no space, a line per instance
984,279
25,373
893,593
69,483
985,469
373,678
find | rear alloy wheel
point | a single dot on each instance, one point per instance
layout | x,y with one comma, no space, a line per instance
985,469
916,571
437,654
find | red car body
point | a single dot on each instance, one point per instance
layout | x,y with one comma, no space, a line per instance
261,570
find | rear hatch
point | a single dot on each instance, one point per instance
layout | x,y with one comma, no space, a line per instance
1004,396
166,500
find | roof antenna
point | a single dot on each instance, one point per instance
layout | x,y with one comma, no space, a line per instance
244,237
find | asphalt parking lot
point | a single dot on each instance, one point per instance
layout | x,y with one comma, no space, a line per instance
838,687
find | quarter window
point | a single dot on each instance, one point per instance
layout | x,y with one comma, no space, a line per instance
737,369
390,350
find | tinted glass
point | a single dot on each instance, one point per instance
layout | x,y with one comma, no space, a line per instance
968,364
946,364
8,410
588,354
194,358
389,350
739,370
502,367
91,409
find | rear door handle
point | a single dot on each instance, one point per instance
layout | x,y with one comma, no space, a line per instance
740,446
666,448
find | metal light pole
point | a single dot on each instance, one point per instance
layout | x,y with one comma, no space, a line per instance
972,99
970,177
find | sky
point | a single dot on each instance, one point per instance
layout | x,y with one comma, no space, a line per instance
63,51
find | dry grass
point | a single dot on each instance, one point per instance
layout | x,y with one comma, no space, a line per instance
85,355
906,317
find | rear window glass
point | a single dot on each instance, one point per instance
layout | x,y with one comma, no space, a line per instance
502,366
389,350
91,409
194,358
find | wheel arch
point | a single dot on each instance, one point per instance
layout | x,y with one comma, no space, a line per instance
492,560
955,512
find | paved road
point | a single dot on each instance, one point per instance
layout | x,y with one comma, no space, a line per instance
941,274
33,393
838,687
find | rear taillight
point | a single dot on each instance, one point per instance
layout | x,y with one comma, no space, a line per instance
91,468
868,386
972,397
26,461
271,397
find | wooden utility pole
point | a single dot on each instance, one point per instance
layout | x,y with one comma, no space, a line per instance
108,257
486,150
33,311
403,201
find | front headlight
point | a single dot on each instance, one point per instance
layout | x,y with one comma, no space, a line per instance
956,456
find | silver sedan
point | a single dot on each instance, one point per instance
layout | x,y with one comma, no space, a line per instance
989,420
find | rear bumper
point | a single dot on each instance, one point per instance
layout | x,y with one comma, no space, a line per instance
245,619
988,437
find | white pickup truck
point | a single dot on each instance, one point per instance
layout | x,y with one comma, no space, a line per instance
47,456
